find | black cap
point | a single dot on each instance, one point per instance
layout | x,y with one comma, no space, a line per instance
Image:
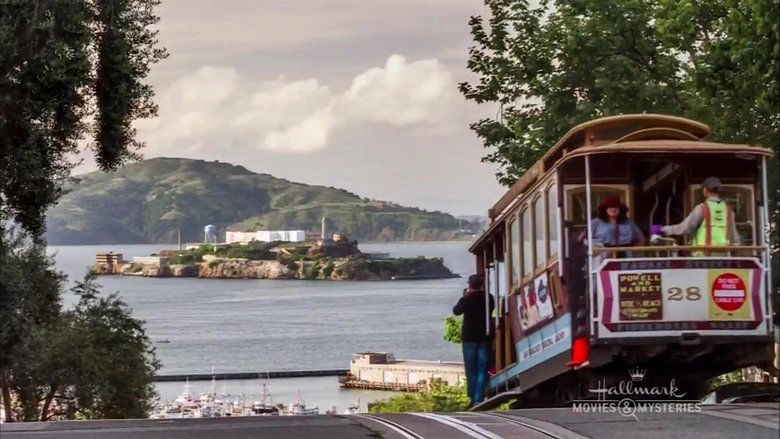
475,281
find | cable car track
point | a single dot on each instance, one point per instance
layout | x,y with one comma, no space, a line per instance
538,429
398,428
469,428
473,429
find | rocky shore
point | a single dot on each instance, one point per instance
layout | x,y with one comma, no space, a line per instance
348,268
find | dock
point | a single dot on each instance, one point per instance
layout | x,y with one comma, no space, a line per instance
382,371
252,375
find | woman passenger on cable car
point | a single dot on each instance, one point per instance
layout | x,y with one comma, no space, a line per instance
612,227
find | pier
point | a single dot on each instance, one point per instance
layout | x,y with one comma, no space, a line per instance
252,375
382,371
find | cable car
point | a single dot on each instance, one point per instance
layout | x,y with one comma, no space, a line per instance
572,312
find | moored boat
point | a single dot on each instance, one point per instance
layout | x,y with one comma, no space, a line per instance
298,408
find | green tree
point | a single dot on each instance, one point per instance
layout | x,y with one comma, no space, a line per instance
452,329
439,397
554,65
69,68
61,62
29,305
94,361
105,333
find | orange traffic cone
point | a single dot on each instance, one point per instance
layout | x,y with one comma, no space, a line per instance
580,353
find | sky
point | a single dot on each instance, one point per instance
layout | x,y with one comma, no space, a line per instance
356,94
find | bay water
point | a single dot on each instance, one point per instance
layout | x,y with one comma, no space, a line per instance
236,325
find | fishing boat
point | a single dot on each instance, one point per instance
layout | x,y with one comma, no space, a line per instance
353,408
266,404
298,408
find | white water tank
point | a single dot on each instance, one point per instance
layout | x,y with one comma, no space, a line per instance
210,233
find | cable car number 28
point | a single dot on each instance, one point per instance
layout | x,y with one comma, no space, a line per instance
690,293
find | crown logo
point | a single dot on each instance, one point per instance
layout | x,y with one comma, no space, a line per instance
637,374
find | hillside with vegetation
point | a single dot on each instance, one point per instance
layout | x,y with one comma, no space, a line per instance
149,201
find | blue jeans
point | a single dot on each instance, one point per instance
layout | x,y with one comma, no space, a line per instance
476,359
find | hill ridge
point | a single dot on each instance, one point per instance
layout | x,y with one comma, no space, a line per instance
150,200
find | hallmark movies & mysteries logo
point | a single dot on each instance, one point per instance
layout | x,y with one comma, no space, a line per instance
631,397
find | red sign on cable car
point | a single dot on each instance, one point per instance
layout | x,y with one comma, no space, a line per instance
728,292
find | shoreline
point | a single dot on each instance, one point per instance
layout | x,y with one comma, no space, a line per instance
337,261
49,244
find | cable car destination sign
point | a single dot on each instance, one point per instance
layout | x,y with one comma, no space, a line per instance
667,297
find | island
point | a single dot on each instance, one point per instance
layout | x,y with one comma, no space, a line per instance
338,259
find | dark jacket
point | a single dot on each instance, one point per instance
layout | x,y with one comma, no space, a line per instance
472,306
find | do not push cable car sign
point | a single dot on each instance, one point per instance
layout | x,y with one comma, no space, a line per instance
729,292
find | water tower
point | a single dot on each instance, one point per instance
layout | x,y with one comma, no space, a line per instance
210,234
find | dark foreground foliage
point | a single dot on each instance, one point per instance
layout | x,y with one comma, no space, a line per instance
91,361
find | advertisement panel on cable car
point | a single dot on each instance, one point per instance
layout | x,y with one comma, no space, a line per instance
535,304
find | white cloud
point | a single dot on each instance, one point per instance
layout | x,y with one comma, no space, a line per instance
309,134
400,93
218,106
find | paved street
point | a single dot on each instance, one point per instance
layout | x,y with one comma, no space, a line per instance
754,421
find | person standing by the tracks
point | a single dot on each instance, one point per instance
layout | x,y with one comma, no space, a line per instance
477,334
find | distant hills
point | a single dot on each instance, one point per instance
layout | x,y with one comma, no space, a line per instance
149,201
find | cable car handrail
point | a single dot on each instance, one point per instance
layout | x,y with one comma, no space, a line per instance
660,248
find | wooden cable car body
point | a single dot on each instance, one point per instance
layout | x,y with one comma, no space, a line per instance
655,307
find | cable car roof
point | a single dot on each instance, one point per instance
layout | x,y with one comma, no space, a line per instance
667,146
628,133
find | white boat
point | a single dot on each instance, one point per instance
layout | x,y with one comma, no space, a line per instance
353,408
298,408
186,399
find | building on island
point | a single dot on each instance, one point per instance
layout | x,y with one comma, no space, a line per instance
151,260
380,370
265,236
108,262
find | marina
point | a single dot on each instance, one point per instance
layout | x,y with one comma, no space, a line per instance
325,392
223,404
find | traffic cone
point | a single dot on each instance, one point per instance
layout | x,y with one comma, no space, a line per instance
580,353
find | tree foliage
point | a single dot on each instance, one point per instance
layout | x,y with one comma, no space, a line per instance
557,64
29,304
31,289
69,68
439,397
93,361
452,329
103,332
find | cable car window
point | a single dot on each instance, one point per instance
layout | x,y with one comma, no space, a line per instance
514,239
540,222
527,242
740,200
552,218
